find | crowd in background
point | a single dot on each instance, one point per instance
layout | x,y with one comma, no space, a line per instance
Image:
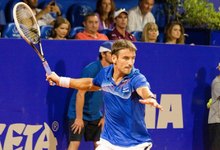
106,22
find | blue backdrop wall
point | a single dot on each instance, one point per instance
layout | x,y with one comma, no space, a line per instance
33,114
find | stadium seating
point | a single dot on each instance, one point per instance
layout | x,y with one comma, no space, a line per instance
2,17
160,38
137,35
159,14
74,31
46,31
77,12
215,37
10,31
105,31
9,10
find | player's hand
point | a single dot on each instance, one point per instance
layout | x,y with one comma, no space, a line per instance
53,78
101,122
77,126
152,102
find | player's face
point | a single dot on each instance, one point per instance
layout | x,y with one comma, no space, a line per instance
62,30
91,24
124,61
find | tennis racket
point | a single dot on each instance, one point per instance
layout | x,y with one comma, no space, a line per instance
29,30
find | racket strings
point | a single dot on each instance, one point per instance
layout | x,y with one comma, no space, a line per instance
28,25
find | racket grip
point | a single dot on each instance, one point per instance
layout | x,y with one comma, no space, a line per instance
47,69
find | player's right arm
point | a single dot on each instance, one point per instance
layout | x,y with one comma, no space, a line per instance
80,83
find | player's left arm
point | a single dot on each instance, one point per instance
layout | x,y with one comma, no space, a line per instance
147,97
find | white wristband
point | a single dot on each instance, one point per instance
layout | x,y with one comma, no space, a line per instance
64,82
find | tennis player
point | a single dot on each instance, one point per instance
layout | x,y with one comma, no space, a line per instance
125,90
84,113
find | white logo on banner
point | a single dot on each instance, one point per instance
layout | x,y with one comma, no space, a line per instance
55,126
19,132
172,113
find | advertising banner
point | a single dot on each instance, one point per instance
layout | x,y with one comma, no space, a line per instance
33,115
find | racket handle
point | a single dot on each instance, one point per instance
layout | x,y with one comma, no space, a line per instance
47,69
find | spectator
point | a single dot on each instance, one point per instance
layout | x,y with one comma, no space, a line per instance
150,32
121,23
105,11
85,117
44,16
174,33
91,24
140,15
214,118
61,29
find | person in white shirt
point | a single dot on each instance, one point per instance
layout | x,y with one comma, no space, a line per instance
140,15
44,16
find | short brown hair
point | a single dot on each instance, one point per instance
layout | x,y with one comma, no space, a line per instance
91,14
122,44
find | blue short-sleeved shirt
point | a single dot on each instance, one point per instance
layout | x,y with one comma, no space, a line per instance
93,100
124,115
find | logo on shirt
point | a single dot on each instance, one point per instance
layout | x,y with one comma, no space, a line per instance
125,89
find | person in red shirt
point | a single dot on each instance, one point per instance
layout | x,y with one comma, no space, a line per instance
121,23
91,24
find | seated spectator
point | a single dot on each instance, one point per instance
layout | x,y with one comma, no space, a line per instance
44,16
61,29
140,15
91,24
105,10
174,33
121,23
150,32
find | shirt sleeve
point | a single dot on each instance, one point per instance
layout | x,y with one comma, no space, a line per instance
140,81
97,81
151,19
131,21
86,74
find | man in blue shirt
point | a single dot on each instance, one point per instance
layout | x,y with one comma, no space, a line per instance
85,117
125,90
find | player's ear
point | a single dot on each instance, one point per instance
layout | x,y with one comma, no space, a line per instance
114,58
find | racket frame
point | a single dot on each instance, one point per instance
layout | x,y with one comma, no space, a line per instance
39,53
